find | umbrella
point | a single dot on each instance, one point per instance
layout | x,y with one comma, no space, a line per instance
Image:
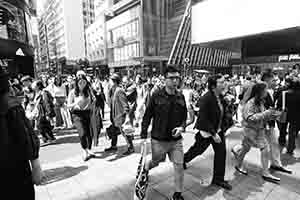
201,71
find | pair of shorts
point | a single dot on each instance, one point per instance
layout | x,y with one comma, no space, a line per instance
173,149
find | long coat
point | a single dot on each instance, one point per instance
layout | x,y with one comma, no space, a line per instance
119,107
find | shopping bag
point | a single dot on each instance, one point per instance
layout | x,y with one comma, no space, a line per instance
283,116
142,179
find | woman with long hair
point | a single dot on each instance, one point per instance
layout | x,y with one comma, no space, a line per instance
97,111
59,94
255,118
80,103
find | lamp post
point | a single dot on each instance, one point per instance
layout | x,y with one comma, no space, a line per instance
185,65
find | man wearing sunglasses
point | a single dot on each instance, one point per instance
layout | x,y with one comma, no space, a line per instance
167,109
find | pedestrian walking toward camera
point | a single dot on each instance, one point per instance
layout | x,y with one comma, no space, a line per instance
80,102
168,112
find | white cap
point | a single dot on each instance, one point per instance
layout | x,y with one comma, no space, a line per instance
80,72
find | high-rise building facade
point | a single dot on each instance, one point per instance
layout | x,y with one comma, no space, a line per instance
95,35
63,40
88,9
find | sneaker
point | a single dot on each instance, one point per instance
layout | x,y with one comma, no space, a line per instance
177,196
271,178
110,149
280,169
241,170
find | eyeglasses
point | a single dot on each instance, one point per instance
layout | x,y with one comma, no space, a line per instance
173,77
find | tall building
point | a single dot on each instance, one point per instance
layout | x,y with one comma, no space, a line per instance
62,41
88,9
144,35
95,35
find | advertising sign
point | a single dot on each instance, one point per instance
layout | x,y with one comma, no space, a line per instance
214,20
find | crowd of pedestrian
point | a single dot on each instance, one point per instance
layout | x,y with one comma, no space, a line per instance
263,105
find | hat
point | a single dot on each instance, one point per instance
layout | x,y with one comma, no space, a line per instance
115,77
80,73
4,84
26,78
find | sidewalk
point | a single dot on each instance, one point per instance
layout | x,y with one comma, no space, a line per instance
112,177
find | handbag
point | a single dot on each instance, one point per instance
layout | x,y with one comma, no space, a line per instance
142,179
283,116
127,127
112,131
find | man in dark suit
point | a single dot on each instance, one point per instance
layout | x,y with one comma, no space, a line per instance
268,78
211,130
292,104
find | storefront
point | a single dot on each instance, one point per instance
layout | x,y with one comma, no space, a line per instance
16,41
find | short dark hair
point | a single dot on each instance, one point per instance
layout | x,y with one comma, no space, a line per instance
267,74
39,85
171,69
212,81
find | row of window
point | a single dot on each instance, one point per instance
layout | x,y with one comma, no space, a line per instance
129,30
126,52
97,54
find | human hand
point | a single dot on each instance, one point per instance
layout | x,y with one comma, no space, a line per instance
38,175
217,138
176,132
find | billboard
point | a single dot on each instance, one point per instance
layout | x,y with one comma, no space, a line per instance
215,20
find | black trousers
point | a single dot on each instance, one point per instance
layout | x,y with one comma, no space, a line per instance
282,133
293,132
82,122
200,145
45,129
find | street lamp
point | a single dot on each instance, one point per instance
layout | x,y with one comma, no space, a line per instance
185,65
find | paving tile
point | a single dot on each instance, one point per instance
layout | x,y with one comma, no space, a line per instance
214,193
67,189
188,195
108,195
280,193
113,178
153,194
41,193
253,187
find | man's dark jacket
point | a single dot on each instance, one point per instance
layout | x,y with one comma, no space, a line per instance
293,107
158,110
209,114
